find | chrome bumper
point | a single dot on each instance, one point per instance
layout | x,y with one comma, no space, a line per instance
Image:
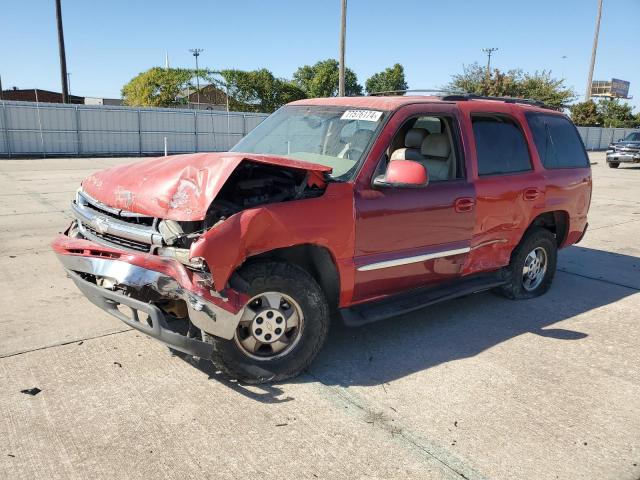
203,314
623,157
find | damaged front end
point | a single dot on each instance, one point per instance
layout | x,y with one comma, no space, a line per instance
138,263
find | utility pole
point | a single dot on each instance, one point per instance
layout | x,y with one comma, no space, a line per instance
489,52
343,32
196,53
63,56
593,52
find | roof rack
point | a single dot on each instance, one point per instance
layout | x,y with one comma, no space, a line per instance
456,96
422,90
473,96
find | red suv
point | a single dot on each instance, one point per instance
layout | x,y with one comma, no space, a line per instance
359,208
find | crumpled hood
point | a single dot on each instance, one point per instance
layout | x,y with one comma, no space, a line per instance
179,187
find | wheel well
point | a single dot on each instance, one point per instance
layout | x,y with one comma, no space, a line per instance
557,222
315,260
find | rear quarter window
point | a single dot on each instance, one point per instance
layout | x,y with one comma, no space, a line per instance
500,145
557,140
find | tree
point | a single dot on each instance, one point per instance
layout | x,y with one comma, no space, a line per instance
607,112
321,80
616,114
513,83
389,80
157,87
259,90
586,114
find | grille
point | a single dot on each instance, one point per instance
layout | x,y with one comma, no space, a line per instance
118,241
627,149
148,221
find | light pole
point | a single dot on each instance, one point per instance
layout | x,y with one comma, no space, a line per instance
593,51
343,32
196,53
63,56
69,82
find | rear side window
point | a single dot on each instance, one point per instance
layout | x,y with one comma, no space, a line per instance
500,145
557,141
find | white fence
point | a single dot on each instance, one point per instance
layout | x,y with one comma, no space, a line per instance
50,129
597,138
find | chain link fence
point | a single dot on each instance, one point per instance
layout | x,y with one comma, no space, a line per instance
50,129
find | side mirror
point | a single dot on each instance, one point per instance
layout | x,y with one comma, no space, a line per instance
403,174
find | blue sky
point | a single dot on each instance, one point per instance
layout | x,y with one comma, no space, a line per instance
108,42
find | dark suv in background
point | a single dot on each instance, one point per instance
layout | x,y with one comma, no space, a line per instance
625,150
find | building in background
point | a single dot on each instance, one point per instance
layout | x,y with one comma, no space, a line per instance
38,95
211,98
102,101
614,88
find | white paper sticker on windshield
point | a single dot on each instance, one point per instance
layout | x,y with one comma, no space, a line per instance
366,115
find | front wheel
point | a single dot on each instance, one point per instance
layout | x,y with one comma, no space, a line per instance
614,164
282,328
532,266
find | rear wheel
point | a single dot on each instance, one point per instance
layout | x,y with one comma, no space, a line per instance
282,328
614,164
532,266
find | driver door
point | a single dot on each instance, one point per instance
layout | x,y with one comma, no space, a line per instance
413,237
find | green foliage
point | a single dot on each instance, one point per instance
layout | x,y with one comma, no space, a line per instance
321,80
513,83
586,114
391,79
616,114
604,113
157,87
259,90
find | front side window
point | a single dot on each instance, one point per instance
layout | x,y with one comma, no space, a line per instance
500,145
431,141
337,137
557,141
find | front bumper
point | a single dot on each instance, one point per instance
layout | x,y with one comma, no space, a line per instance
167,279
155,326
623,157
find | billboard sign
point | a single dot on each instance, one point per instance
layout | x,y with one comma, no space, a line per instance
619,88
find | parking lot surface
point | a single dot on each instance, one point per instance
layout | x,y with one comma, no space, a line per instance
476,388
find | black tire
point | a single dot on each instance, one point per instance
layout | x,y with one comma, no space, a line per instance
535,238
266,276
613,164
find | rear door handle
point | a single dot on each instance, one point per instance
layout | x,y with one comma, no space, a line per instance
464,204
531,194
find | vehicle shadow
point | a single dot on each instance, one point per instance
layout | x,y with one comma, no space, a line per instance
381,352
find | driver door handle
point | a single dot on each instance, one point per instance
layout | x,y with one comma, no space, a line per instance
464,204
531,194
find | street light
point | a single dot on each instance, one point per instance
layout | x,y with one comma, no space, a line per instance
196,53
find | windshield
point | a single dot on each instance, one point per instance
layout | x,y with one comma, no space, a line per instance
633,137
336,137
